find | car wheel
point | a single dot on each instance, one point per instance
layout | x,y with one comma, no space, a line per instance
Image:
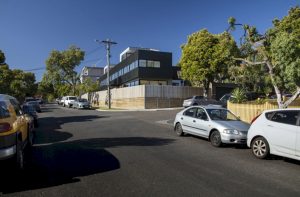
260,148
30,138
178,129
215,139
19,157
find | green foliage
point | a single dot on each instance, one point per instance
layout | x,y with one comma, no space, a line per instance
238,96
16,83
60,71
88,86
279,51
206,57
2,58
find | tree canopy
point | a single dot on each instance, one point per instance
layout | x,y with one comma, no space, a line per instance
279,51
60,74
206,57
16,82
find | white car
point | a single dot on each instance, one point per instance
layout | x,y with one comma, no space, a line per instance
276,132
68,101
217,124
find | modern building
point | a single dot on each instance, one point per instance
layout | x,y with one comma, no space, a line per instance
91,72
140,66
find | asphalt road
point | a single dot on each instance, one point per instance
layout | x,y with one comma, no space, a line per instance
92,153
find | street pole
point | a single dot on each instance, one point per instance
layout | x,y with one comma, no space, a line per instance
108,43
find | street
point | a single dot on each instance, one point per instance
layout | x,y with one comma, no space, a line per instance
96,153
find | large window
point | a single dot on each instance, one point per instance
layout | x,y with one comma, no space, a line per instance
149,63
142,63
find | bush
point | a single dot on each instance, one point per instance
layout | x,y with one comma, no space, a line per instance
238,96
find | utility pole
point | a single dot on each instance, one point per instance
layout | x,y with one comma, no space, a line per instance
108,43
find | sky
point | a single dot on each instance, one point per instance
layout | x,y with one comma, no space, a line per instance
31,29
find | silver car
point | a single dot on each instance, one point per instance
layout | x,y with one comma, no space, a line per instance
216,124
81,104
200,100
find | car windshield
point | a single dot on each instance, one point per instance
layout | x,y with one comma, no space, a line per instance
28,109
4,113
199,97
32,103
82,100
72,98
221,114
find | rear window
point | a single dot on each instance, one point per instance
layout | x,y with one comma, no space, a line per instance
286,117
72,98
199,97
4,113
190,112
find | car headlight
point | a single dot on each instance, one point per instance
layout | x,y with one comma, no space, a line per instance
231,131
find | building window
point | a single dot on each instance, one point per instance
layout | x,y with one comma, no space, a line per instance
142,63
150,63
156,64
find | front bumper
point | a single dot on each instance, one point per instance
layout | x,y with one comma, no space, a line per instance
7,146
84,107
8,152
233,139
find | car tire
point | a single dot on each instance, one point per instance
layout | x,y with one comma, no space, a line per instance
215,138
30,138
178,129
19,157
260,148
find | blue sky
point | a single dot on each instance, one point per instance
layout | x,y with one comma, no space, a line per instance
31,29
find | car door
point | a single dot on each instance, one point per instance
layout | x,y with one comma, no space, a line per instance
187,120
20,124
282,131
201,123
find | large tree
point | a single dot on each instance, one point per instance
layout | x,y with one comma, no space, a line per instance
60,69
206,58
279,51
16,82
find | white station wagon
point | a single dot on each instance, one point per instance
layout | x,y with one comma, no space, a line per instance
276,132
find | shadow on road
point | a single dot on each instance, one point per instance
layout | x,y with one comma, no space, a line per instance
50,129
64,162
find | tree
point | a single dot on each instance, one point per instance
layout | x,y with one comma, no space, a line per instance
206,58
88,86
279,51
60,69
23,84
16,82
2,58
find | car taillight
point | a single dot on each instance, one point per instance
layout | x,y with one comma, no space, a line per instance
4,127
253,120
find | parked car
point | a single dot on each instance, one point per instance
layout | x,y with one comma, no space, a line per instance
35,104
30,110
67,101
81,104
200,100
217,124
57,100
276,132
15,131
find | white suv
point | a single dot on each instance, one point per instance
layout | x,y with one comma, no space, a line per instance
276,132
68,101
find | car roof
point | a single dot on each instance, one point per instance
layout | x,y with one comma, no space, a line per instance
210,106
286,109
5,97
